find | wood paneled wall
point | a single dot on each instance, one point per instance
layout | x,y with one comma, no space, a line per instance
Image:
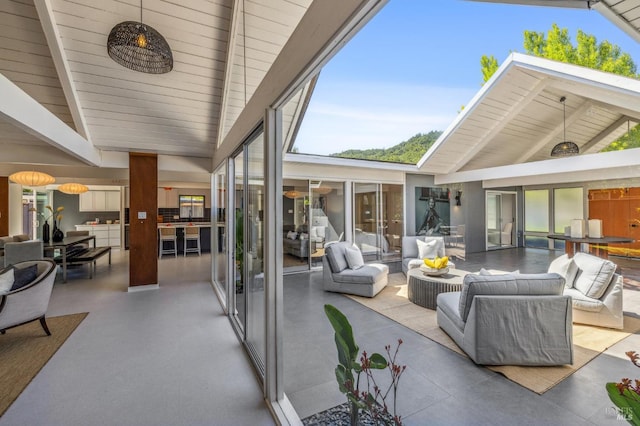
619,210
143,244
4,206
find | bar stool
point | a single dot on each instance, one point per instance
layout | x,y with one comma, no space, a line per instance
192,233
168,235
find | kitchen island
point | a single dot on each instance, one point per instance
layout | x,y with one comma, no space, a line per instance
205,234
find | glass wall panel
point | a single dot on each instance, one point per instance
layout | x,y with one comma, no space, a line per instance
536,210
365,220
327,217
392,221
238,250
378,220
254,253
219,231
567,205
295,221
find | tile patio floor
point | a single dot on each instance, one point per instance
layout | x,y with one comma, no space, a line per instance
440,386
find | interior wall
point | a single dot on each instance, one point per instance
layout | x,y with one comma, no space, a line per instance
474,216
4,205
15,209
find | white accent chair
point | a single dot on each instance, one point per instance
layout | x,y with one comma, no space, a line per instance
29,303
506,235
595,289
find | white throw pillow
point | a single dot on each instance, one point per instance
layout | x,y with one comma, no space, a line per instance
594,274
354,257
6,281
313,232
427,250
567,269
292,235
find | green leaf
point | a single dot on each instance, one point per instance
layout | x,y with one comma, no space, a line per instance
344,333
628,403
378,361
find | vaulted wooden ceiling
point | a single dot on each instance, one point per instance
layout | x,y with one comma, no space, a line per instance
55,51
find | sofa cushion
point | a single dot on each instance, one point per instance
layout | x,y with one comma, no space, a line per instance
336,256
6,280
440,250
24,276
21,238
368,274
594,274
582,302
4,240
566,267
427,250
507,284
292,235
354,257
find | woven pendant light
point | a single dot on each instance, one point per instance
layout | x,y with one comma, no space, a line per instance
73,188
565,148
32,178
139,47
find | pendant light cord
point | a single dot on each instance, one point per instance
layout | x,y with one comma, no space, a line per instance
564,119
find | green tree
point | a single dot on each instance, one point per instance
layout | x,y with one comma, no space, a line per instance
408,152
557,46
588,53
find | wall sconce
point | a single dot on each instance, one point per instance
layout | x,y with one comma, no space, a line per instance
458,197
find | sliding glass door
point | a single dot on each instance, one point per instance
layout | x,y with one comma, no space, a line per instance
377,220
248,253
219,229
501,208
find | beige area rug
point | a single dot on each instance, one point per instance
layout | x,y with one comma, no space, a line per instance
589,342
26,349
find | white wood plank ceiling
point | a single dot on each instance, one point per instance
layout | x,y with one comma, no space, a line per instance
518,117
117,109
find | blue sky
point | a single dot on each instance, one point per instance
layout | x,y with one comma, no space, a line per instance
417,62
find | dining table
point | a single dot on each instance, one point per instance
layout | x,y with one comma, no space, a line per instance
597,246
63,246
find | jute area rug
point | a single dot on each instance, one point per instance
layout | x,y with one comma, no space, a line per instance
26,349
588,341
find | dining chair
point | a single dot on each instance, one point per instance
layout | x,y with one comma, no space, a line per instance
168,241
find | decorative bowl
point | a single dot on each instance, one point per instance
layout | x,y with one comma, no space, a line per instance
433,271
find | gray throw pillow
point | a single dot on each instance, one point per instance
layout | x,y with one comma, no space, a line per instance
24,276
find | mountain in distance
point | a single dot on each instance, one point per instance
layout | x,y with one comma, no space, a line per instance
407,152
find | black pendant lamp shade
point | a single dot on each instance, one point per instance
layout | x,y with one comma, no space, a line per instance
139,47
564,148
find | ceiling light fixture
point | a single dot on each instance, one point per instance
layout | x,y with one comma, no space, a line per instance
32,178
564,148
139,47
73,188
292,194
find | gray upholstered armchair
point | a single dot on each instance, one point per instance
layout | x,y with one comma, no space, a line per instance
510,319
28,303
19,252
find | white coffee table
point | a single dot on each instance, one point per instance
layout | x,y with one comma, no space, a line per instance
423,289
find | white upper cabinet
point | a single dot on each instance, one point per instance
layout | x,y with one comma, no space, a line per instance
100,201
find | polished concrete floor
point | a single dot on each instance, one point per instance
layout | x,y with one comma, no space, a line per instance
158,357
170,357
440,386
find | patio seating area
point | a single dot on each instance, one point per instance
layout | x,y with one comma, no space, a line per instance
441,386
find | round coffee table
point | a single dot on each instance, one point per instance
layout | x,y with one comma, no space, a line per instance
423,289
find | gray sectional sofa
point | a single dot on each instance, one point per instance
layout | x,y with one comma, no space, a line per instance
367,280
510,319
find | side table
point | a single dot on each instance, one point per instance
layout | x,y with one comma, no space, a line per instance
424,289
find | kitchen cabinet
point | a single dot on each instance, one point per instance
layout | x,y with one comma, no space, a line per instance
106,235
167,198
100,201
